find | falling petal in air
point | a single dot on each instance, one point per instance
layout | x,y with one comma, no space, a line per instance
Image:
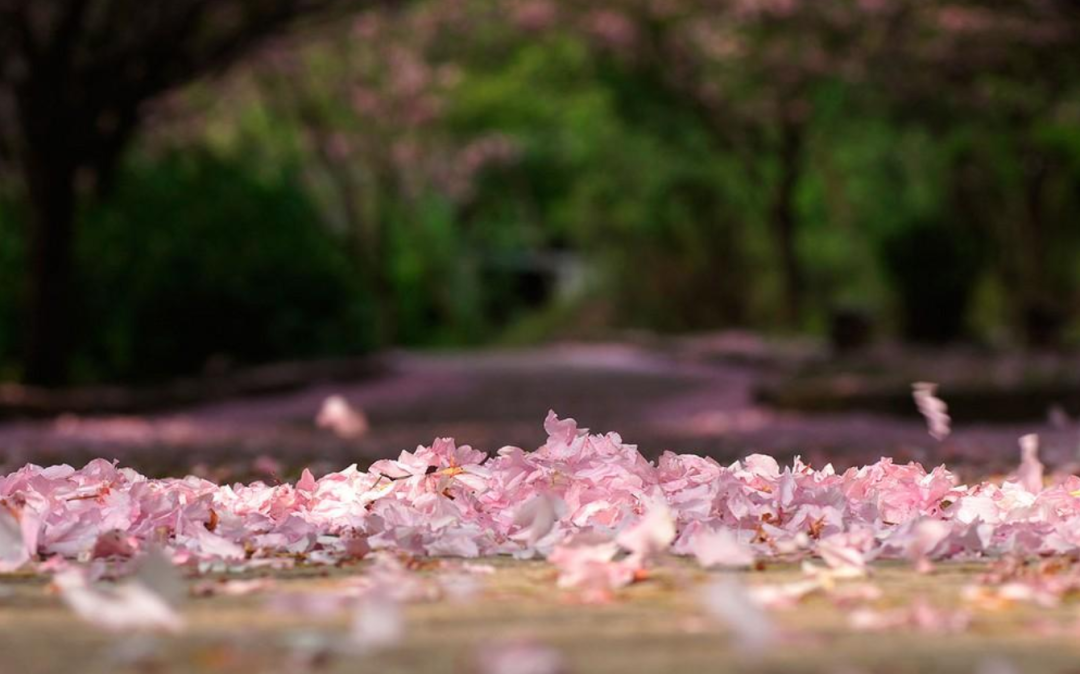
1030,472
933,409
341,418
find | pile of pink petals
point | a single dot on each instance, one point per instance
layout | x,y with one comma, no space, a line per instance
592,505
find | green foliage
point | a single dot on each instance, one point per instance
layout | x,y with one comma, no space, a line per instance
610,167
330,206
901,213
434,279
197,258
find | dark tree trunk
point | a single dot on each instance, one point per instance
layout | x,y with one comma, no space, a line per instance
784,219
51,190
77,72
1042,316
48,169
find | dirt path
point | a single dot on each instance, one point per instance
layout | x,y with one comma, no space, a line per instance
659,398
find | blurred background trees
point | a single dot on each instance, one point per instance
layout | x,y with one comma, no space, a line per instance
75,77
456,172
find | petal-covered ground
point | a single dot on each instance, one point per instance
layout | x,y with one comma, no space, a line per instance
811,556
591,503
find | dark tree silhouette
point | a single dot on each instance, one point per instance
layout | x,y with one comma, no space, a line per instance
75,79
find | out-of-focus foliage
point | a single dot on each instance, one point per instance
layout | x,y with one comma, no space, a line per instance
497,170
199,261
76,80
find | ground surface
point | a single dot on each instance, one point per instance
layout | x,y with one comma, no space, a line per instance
688,396
693,396
658,626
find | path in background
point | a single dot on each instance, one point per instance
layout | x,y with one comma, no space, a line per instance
686,396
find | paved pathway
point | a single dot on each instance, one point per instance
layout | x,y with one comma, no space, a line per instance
661,398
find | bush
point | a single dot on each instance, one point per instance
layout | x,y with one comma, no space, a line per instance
198,258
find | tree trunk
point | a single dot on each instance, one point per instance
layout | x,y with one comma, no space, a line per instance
784,220
1043,318
50,184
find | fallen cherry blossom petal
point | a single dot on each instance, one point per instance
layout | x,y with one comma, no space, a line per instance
933,409
155,570
920,616
519,657
785,595
538,517
13,552
315,604
452,500
927,535
128,606
377,623
460,587
721,547
651,536
843,556
114,543
732,604
586,563
856,593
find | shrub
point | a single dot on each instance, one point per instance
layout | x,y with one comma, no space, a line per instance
197,258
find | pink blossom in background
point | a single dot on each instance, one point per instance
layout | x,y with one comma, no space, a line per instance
534,15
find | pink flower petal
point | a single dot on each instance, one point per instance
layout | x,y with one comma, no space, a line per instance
1030,472
721,547
933,409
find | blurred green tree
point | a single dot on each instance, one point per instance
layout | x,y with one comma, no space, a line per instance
232,273
75,79
997,84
